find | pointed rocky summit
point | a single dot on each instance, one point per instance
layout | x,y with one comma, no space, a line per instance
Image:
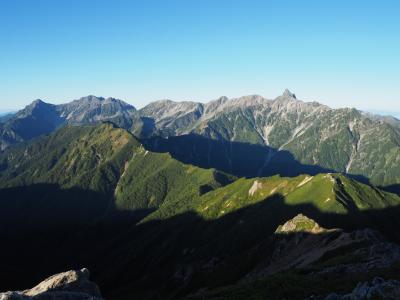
288,94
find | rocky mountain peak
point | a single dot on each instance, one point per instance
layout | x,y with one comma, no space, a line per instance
91,98
36,103
300,223
288,94
36,106
88,103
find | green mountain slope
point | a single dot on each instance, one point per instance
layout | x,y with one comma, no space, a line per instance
332,199
148,225
329,193
107,160
152,180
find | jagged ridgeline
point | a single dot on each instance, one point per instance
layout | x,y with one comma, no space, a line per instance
41,118
252,136
247,136
144,217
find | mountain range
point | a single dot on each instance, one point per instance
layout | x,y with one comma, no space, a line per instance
41,118
254,136
232,199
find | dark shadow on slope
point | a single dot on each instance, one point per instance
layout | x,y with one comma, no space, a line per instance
163,259
237,158
148,126
240,159
44,229
394,188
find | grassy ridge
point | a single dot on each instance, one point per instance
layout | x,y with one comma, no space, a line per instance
107,160
329,193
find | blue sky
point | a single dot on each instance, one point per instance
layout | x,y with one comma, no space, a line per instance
340,53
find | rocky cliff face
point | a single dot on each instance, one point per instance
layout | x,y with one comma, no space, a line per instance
64,286
93,109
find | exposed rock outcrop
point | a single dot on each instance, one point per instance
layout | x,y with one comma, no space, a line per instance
300,223
70,285
303,243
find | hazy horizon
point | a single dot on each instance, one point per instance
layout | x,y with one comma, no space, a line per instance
373,111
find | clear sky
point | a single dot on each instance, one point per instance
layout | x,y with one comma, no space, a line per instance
340,53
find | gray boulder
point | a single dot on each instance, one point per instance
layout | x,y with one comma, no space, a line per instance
70,285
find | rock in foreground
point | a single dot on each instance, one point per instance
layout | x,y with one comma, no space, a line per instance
64,286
